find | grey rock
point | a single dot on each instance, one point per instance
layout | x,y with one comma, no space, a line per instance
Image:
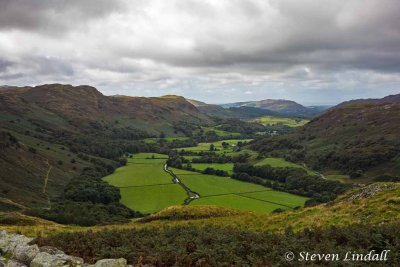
24,253
10,242
13,263
3,234
111,263
51,250
3,262
44,259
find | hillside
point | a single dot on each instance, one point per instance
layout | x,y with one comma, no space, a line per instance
66,104
358,138
50,133
281,107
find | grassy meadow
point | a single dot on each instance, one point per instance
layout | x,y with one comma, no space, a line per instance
144,185
281,163
229,193
228,167
217,145
291,122
220,132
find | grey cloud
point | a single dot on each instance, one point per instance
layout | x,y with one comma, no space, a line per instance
52,16
152,46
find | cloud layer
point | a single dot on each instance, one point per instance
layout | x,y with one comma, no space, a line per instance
228,50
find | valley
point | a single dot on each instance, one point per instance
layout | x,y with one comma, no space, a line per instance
86,163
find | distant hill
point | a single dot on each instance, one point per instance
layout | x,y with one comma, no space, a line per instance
240,112
359,138
281,107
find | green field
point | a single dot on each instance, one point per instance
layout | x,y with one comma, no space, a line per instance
144,185
216,166
207,185
230,193
217,145
148,199
220,132
291,122
279,197
238,202
280,162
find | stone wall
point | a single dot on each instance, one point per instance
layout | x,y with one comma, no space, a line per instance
21,251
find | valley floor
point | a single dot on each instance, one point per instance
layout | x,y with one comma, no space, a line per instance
147,188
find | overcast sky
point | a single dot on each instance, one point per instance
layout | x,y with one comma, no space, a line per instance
218,51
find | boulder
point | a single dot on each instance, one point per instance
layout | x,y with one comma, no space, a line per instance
3,234
44,259
13,263
111,263
10,241
51,250
3,262
24,253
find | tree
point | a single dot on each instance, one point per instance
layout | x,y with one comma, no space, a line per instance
212,147
225,145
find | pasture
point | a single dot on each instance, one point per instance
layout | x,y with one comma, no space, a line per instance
217,146
231,193
144,185
221,132
282,163
228,167
291,122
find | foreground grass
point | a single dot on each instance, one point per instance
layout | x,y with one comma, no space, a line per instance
212,246
361,220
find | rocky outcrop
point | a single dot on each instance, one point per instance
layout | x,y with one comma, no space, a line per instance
21,251
371,190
